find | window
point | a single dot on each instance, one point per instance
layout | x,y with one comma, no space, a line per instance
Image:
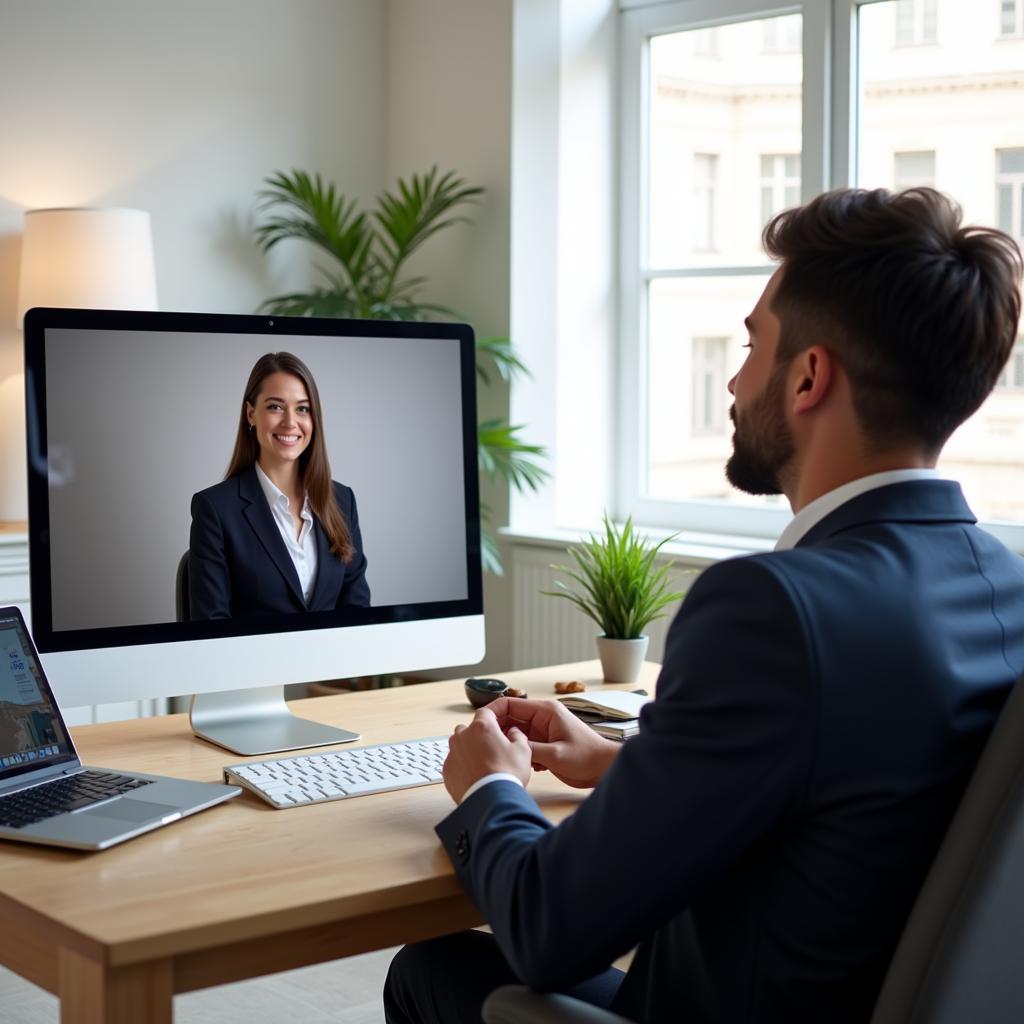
1012,377
914,168
916,21
1011,17
1010,190
705,177
705,44
697,266
780,183
709,386
757,131
781,35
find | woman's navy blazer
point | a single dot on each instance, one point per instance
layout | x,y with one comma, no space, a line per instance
239,564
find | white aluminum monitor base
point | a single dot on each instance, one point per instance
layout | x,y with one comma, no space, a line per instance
258,721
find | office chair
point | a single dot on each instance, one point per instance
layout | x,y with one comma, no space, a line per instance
959,956
181,607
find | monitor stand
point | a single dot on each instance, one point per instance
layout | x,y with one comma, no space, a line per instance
258,721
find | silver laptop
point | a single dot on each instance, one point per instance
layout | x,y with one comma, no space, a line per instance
46,794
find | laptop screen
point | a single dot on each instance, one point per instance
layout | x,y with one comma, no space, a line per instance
32,732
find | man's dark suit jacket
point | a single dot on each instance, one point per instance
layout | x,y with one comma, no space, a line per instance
239,565
764,836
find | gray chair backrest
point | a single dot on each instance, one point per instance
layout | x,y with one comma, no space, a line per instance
181,607
960,956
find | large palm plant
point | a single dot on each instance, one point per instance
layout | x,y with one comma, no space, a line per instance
365,280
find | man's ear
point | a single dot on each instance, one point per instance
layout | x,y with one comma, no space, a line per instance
811,378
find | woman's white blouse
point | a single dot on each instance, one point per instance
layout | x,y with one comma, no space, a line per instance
301,548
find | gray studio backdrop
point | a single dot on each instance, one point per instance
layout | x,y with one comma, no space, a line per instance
138,422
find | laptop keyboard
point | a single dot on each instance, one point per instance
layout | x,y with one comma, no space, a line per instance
73,793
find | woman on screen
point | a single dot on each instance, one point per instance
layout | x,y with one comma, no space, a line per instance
277,535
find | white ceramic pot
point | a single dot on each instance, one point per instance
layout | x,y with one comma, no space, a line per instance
621,660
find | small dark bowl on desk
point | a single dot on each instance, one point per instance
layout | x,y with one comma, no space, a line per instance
482,691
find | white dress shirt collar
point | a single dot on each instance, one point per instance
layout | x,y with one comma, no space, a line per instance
813,513
301,548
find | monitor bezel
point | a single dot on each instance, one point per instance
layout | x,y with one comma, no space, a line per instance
49,640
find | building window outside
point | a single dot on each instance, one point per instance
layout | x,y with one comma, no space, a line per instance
709,386
913,169
916,22
1012,377
780,183
705,43
1010,191
1011,20
782,35
705,178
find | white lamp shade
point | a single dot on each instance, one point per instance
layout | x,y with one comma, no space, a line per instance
87,258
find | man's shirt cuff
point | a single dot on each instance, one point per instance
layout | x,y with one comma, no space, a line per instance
493,777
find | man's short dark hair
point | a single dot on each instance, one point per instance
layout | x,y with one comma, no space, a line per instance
921,312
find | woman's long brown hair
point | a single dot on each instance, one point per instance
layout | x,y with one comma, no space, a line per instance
314,467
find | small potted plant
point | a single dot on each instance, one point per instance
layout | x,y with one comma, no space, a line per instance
618,587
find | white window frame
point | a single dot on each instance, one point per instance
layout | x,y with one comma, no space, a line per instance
826,159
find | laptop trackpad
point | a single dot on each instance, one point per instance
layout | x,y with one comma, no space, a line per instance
127,809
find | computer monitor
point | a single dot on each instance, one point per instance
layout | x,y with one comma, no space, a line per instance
151,576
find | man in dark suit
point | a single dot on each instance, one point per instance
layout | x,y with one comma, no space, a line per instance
761,841
240,566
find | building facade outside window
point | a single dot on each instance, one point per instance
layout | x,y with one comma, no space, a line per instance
945,115
709,386
916,22
782,35
1012,378
780,183
913,169
705,193
1010,191
1011,18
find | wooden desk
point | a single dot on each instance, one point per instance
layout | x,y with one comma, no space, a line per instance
241,889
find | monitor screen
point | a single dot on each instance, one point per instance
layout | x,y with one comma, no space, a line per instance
146,463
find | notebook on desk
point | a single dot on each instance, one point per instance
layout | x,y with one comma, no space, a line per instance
614,714
46,794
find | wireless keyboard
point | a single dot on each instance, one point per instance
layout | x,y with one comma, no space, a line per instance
357,771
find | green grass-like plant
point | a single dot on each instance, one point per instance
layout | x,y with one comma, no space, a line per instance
616,583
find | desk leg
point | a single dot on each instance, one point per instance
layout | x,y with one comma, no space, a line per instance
93,994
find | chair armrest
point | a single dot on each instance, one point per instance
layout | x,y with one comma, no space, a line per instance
516,1004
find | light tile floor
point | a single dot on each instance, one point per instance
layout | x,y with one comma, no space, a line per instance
342,992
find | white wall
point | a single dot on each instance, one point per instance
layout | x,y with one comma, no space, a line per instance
181,109
449,102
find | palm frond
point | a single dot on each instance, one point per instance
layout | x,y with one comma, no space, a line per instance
504,357
423,207
321,215
502,453
318,302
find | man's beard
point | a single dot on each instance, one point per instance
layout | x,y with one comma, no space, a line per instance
762,441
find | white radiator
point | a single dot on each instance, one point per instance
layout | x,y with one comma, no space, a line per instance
551,630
